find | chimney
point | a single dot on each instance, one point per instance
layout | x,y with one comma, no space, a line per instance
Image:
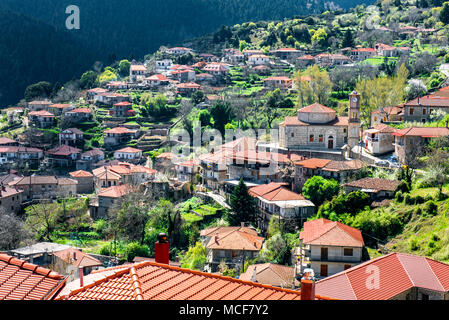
308,285
81,277
161,249
254,277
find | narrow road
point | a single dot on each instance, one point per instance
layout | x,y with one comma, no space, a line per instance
217,198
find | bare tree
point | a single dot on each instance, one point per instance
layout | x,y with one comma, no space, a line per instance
12,231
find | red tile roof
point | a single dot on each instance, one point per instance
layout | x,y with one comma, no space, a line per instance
80,110
118,130
129,150
313,163
429,101
398,272
271,274
81,174
153,281
123,103
317,108
235,239
41,113
375,184
282,194
424,132
294,121
116,191
333,233
78,258
20,280
4,140
63,150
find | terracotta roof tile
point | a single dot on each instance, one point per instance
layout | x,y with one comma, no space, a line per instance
334,233
116,191
317,108
153,281
294,121
374,184
20,280
425,132
77,258
81,174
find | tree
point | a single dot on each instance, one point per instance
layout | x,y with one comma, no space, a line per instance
348,40
165,217
136,249
272,103
198,97
195,257
42,220
305,94
88,80
444,13
109,74
222,114
319,37
12,231
41,89
205,117
123,68
317,189
415,88
243,205
320,84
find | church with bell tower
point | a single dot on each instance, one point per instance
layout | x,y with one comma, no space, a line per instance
318,127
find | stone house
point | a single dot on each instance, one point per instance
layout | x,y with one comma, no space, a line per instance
98,208
274,199
421,108
290,54
282,83
38,105
187,89
89,158
387,114
379,140
377,189
329,247
361,54
41,119
258,59
118,135
187,170
60,108
329,169
44,187
233,245
64,155
128,154
409,142
122,109
67,187
10,199
85,181
305,61
72,137
79,115
137,72
11,154
156,80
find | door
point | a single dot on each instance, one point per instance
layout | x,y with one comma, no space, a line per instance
324,254
330,142
323,270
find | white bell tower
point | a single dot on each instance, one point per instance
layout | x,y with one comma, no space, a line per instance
354,123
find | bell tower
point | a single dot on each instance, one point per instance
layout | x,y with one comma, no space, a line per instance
354,123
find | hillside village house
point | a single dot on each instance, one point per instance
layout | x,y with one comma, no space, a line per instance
409,142
404,277
305,61
118,135
187,89
156,80
274,199
289,54
91,93
385,50
187,170
60,108
64,155
38,105
205,79
233,56
122,109
379,140
85,181
208,57
89,158
4,142
387,114
271,274
421,108
79,115
44,187
104,177
258,59
179,51
377,189
117,85
318,127
262,70
217,69
137,72
250,52
163,65
10,199
71,137
282,83
42,119
128,154
11,154
183,75
123,172
329,169
110,98
329,247
361,54
233,245
98,207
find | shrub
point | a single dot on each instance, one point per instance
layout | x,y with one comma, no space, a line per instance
413,244
417,200
418,211
404,186
428,198
430,207
135,249
407,199
105,250
399,196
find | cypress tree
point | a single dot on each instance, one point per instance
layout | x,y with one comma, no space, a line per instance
242,204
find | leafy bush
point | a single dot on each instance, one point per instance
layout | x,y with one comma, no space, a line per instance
399,196
135,249
430,207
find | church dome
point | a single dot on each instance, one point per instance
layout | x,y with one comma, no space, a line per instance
316,113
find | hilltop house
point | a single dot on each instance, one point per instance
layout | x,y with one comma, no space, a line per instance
5,142
128,154
98,207
156,80
177,51
305,61
79,115
258,59
233,56
233,245
361,54
117,85
187,170
274,199
137,72
60,108
329,247
282,83
379,140
187,89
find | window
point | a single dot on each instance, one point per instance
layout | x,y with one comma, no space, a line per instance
320,138
411,111
424,111
424,296
292,134
348,252
311,138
